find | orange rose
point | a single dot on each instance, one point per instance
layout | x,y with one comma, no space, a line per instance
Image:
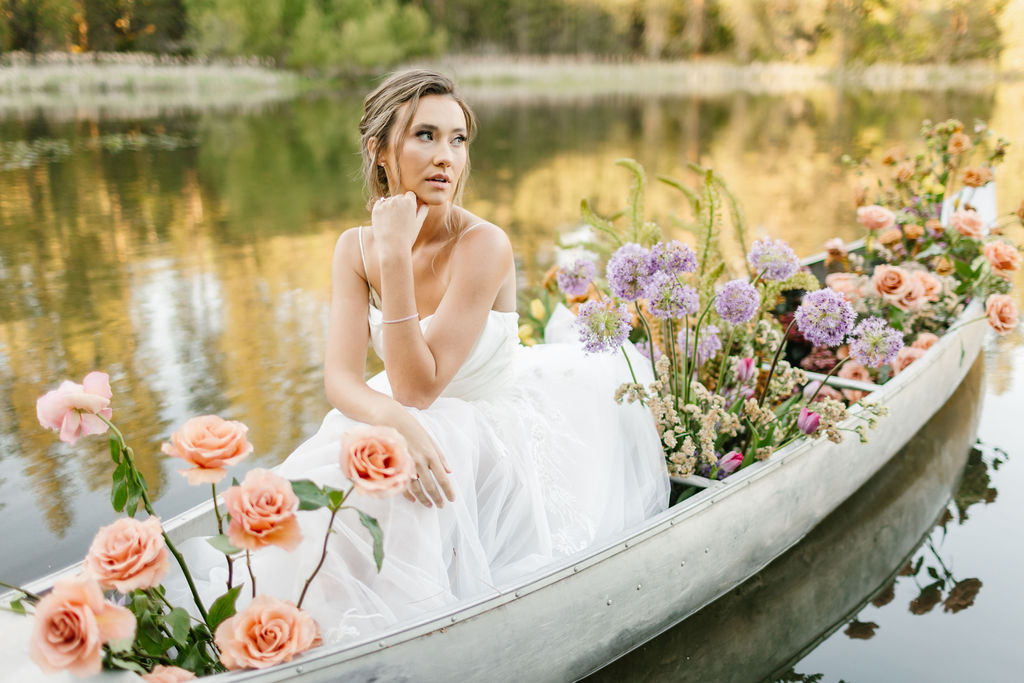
128,554
968,223
168,674
932,285
891,282
267,632
925,341
905,172
905,356
876,217
1003,257
860,195
550,281
72,623
958,143
855,371
976,176
913,298
913,231
208,443
1002,313
890,236
847,284
262,510
376,460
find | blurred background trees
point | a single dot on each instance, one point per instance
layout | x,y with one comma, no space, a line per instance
343,35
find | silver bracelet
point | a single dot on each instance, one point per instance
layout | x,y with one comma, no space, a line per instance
400,320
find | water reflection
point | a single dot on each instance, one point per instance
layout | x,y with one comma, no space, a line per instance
756,631
198,276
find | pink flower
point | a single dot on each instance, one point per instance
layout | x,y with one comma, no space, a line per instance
208,443
876,217
968,223
836,248
931,284
71,625
820,395
267,632
1002,313
925,340
128,554
745,370
892,282
847,284
72,408
808,421
168,674
262,510
855,371
730,462
913,298
1004,258
376,460
906,356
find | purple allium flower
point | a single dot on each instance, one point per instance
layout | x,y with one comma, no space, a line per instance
773,259
574,279
730,462
737,301
602,326
668,298
708,345
628,271
672,257
808,421
825,317
873,343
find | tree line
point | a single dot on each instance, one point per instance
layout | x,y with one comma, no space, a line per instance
332,36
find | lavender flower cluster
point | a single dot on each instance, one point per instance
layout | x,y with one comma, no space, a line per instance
602,326
773,259
825,317
669,298
737,301
575,278
873,343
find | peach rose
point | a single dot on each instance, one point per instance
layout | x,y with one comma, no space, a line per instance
376,460
71,625
836,248
976,176
847,284
208,443
968,223
904,172
1002,313
876,217
128,554
958,143
913,231
890,236
855,371
262,510
168,674
267,632
72,408
1003,257
891,282
913,298
925,341
905,356
931,284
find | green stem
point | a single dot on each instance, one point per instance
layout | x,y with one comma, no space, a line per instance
726,350
822,384
775,361
148,504
220,531
650,339
323,554
252,577
28,594
632,374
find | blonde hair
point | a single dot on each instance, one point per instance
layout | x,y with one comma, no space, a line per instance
380,111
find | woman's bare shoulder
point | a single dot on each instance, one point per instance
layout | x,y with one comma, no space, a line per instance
348,249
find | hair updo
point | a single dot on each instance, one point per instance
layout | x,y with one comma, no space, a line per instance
380,111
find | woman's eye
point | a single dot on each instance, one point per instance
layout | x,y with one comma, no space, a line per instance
425,135
459,140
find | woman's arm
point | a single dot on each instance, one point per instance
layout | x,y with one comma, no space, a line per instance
345,364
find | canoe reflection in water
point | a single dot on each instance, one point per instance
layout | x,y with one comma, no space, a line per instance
760,629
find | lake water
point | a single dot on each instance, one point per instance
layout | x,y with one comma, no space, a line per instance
186,253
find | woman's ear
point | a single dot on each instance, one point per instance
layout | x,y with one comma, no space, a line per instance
371,147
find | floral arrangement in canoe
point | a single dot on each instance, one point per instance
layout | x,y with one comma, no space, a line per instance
115,614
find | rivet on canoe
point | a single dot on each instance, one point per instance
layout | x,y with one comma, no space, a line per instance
453,620
575,569
626,544
609,602
672,522
707,550
381,644
683,563
299,669
517,594
639,586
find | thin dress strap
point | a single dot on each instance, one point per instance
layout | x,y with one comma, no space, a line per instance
374,297
461,234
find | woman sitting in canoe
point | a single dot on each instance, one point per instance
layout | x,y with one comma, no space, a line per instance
522,455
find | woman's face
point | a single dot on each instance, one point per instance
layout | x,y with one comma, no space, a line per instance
431,155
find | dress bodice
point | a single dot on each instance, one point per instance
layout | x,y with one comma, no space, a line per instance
490,365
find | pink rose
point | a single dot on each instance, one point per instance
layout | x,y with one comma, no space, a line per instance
925,340
847,284
876,217
906,356
913,298
128,554
71,625
891,282
168,674
376,460
836,248
208,443
262,510
931,284
1002,313
72,408
968,223
267,632
1004,258
855,371
825,392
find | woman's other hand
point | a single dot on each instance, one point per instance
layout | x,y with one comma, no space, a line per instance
397,222
432,484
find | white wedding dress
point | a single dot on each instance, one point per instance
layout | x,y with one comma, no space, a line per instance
544,464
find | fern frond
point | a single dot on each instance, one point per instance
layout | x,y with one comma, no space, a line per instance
636,195
691,196
595,221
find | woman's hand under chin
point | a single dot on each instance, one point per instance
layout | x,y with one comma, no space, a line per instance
397,221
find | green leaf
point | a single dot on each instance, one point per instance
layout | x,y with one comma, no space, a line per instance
189,659
378,537
335,497
177,620
119,489
115,451
223,607
963,269
18,607
310,495
223,544
125,664
234,481
593,220
933,573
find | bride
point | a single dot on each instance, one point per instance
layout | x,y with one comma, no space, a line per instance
522,455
